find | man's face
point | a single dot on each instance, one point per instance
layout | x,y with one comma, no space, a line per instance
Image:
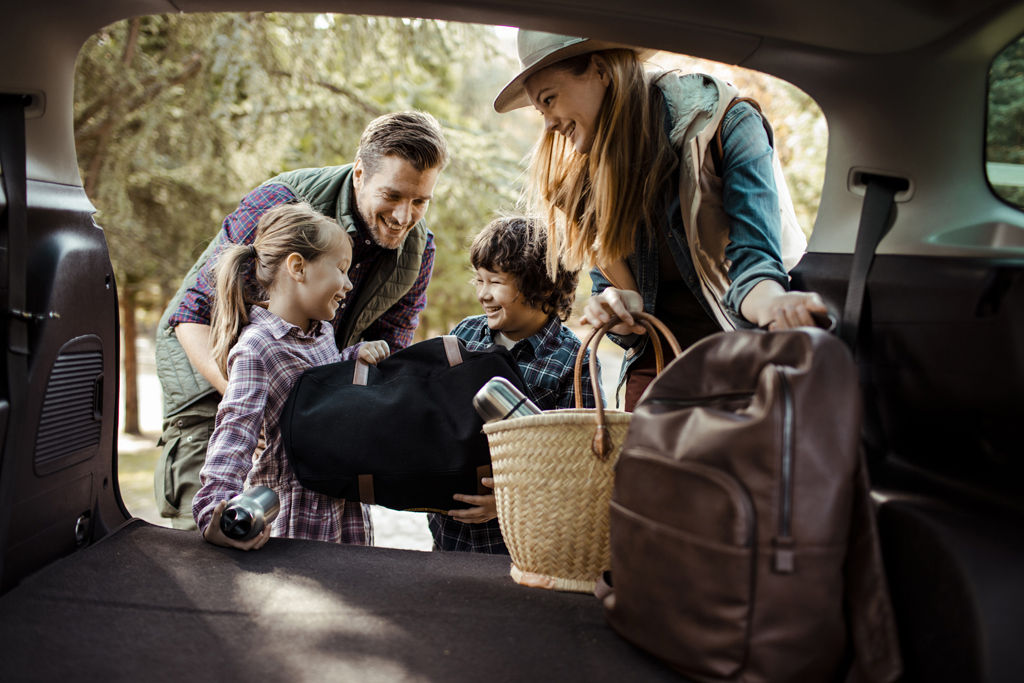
393,199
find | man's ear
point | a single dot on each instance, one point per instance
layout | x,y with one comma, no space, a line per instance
357,173
295,266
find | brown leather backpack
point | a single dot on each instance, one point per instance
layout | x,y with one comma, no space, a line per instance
743,539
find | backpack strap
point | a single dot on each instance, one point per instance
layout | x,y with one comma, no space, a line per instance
717,150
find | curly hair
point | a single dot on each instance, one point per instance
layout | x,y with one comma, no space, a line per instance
517,245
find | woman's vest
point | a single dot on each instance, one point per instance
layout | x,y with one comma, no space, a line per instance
696,111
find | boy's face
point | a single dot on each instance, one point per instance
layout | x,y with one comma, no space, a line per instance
498,294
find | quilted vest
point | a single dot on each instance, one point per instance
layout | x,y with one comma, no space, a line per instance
329,190
181,383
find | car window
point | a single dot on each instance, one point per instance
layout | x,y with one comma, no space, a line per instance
1004,153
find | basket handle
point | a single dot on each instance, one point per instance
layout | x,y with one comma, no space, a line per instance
602,443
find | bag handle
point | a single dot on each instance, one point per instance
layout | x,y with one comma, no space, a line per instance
602,443
452,352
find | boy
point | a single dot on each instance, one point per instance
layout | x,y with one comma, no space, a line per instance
523,311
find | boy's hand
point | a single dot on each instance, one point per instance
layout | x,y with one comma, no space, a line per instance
373,352
486,509
214,535
615,303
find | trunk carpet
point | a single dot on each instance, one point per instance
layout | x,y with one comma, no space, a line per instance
154,604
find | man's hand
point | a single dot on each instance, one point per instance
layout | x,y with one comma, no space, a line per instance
486,509
373,352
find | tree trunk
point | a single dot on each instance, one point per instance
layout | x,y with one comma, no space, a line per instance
131,368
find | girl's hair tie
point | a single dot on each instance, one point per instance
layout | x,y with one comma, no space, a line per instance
252,251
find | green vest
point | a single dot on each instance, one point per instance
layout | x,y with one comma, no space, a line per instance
329,191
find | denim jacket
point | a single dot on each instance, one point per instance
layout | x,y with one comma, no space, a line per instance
750,200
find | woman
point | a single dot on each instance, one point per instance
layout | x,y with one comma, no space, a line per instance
627,179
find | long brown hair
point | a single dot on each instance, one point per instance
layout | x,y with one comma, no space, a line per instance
285,229
594,203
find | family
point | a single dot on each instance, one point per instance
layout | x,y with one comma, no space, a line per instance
325,264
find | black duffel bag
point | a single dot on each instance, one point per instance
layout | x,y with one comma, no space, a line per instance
403,433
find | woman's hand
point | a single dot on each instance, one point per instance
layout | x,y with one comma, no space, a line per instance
214,535
769,306
373,352
615,303
486,508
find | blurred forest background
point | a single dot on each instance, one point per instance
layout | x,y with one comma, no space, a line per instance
178,116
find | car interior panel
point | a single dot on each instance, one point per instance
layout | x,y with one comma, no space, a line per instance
87,592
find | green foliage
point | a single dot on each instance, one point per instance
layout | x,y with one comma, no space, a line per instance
178,116
1005,131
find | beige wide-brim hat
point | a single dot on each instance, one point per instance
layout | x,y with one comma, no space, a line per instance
538,50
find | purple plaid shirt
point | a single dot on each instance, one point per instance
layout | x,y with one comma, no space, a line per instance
545,360
396,326
262,368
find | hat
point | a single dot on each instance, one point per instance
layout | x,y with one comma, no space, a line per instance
538,50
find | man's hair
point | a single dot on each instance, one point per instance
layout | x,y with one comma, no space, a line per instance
413,136
517,245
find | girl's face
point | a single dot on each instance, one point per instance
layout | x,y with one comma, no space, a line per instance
325,282
570,103
498,294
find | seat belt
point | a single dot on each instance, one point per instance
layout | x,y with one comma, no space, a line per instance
875,221
12,164
876,218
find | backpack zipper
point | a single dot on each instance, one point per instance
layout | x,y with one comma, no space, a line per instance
783,556
700,401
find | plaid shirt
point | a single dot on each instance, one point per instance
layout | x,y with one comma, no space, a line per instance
546,362
262,368
396,326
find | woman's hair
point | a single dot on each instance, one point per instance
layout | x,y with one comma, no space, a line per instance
516,245
594,203
294,228
413,136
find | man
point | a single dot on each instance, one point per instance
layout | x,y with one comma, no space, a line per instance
380,200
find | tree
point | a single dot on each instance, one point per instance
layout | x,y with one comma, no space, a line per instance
1005,132
177,116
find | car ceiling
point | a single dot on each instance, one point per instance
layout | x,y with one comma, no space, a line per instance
867,26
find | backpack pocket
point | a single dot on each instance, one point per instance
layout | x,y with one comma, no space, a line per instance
683,554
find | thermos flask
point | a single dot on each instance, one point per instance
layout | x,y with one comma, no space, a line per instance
499,399
248,513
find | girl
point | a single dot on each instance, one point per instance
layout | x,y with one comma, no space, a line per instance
626,177
300,258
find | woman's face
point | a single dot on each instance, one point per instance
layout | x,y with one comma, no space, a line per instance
570,103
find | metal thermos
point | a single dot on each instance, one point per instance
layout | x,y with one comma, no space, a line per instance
248,513
499,399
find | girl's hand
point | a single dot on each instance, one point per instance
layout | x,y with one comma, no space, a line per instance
373,352
615,303
486,509
214,535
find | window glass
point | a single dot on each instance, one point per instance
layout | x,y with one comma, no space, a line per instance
1004,154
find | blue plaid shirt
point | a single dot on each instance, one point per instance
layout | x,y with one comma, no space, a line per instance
546,362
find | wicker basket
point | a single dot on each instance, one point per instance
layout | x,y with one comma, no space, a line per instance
553,476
